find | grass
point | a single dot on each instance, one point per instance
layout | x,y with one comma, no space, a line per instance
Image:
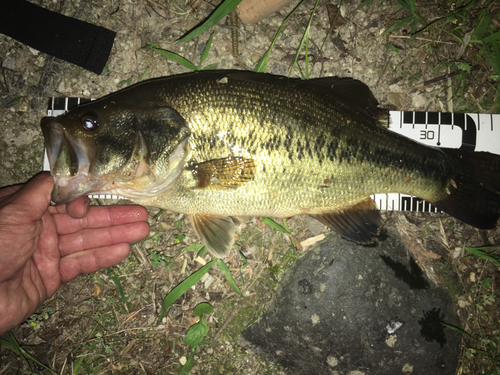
481,347
119,315
471,25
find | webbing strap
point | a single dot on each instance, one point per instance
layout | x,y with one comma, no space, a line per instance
67,38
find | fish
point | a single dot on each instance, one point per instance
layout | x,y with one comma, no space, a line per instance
221,145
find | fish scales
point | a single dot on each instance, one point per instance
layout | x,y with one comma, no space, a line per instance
222,144
299,140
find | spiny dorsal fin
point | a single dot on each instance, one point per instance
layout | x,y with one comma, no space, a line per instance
216,233
357,223
352,93
226,173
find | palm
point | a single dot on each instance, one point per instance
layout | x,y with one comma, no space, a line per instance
42,246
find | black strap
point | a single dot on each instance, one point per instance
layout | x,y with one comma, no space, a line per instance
67,38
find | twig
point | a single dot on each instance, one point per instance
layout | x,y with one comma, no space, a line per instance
449,75
230,317
423,39
154,298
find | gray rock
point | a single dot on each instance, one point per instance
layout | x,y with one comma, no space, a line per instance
315,226
9,62
349,309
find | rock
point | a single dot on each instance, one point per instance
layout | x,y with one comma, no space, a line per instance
9,62
315,226
346,309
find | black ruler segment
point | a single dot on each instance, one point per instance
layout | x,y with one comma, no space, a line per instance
64,104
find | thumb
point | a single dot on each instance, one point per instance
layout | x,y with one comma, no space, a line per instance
30,202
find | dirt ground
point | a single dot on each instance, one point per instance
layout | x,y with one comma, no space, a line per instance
93,326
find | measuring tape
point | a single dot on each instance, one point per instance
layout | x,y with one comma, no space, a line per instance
466,131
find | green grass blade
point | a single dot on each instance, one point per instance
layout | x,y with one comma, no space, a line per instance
210,67
494,59
206,50
404,5
367,2
206,342
492,38
125,82
184,286
399,24
452,35
227,274
274,224
186,369
285,225
193,247
245,263
456,329
118,284
332,24
178,9
17,348
478,252
480,351
144,74
222,11
10,345
261,66
483,26
167,55
202,251
305,37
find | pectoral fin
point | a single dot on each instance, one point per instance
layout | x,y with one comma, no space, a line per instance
357,223
216,233
226,173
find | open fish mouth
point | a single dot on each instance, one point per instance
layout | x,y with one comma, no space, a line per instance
69,160
77,170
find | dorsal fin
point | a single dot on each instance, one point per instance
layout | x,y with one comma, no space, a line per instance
352,93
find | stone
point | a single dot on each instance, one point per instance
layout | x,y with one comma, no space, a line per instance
349,309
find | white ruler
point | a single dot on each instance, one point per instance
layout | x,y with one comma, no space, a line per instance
467,131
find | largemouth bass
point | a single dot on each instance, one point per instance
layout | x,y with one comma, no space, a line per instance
223,144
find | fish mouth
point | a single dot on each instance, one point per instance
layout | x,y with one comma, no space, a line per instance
69,160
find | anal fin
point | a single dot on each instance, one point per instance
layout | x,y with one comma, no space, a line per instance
216,233
357,223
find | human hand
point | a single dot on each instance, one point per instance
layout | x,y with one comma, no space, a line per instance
42,246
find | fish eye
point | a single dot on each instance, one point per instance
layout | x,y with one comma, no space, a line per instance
90,123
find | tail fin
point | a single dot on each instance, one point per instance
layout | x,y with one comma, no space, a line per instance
474,195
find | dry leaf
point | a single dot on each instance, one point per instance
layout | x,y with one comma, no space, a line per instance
96,290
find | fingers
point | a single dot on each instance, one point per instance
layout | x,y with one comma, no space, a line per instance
79,207
30,201
89,261
99,217
99,237
8,190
